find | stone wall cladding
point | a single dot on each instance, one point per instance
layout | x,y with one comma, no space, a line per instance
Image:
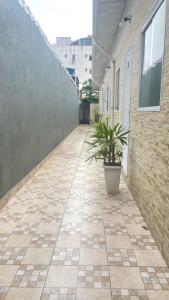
148,159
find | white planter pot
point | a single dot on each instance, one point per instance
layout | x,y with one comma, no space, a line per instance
112,178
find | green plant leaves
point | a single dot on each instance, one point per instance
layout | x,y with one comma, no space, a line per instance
106,143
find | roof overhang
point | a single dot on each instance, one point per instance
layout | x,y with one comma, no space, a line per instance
106,18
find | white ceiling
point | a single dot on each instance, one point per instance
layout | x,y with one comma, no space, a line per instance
106,18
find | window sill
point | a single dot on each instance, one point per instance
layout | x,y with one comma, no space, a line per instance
149,109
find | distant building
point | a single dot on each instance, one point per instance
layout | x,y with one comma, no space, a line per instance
75,55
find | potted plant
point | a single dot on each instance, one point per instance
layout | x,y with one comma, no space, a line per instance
106,144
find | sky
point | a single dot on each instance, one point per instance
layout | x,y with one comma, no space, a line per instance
63,17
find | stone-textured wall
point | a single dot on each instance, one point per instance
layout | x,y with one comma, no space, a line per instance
148,160
39,104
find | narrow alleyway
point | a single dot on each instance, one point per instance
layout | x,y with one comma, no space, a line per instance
63,238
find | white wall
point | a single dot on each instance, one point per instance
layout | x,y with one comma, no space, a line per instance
82,64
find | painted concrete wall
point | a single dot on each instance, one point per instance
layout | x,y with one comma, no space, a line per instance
39,104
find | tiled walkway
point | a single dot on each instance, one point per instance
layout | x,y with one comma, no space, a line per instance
63,238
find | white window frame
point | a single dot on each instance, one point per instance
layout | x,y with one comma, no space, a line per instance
144,27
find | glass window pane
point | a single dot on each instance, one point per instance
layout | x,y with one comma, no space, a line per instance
147,48
153,38
158,25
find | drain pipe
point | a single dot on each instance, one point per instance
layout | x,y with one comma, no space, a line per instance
113,89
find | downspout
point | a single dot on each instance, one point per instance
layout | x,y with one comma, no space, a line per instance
113,89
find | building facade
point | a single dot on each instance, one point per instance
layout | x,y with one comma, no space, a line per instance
75,55
132,74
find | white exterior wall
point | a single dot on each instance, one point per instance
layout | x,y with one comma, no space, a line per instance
81,64
106,94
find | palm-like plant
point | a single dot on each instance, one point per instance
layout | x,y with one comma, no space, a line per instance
106,143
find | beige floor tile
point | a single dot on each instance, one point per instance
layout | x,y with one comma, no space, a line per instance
68,218
48,228
130,210
24,294
6,228
7,274
37,256
19,240
17,209
93,294
33,218
92,210
92,228
55,209
137,229
126,278
62,276
108,218
115,241
93,257
150,258
158,295
68,241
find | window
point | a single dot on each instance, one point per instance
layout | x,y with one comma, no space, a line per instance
90,57
65,55
85,69
117,90
73,58
85,55
152,56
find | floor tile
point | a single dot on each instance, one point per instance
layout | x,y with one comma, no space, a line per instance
129,294
151,258
12,256
93,257
65,257
113,219
7,274
37,256
62,237
158,295
31,218
115,241
24,294
59,293
32,276
95,241
137,229
156,278
62,276
115,229
93,277
48,228
68,241
126,278
6,228
3,292
92,228
71,218
43,240
143,242
121,257
130,210
71,228
93,294
18,240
